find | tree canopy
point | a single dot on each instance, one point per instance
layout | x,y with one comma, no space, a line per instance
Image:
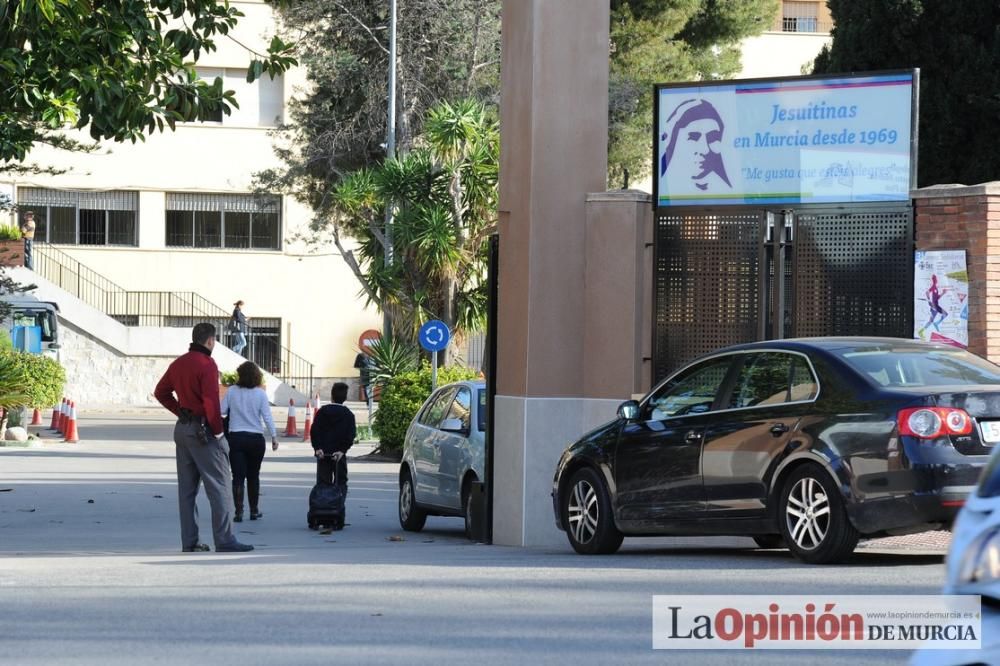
444,193
957,48
119,69
662,41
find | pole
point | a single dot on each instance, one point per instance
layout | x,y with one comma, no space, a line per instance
434,371
390,150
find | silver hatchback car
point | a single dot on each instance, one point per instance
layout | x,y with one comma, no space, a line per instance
443,455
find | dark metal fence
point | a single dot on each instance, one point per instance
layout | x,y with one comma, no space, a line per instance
724,277
173,310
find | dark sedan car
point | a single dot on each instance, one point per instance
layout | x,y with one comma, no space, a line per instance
810,444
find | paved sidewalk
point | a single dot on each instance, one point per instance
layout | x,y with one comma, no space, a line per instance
90,573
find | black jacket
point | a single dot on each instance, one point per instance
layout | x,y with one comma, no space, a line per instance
240,319
333,429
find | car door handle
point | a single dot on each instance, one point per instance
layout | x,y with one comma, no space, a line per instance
692,437
779,429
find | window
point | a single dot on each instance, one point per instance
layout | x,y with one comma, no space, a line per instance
461,408
799,17
772,378
692,392
230,221
261,102
437,408
82,218
921,367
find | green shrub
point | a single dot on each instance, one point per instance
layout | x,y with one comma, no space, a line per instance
9,233
229,378
6,344
391,356
402,398
43,377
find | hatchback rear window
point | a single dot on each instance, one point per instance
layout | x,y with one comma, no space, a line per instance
921,367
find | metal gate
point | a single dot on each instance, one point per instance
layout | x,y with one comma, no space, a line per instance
724,277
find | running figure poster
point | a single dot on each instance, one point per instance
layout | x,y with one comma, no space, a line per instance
941,297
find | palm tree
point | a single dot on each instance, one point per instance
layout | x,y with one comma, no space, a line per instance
444,197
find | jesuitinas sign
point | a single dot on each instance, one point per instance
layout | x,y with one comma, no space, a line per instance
798,140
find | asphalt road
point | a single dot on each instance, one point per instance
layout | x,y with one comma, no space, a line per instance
90,573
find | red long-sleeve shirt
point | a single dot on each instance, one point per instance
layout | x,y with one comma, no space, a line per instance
194,377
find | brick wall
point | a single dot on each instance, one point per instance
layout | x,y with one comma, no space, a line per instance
957,217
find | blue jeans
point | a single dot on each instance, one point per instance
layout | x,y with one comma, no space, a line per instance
240,342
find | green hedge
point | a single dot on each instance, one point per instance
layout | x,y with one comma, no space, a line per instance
401,399
44,378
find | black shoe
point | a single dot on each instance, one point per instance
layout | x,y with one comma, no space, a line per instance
234,547
254,515
198,548
238,518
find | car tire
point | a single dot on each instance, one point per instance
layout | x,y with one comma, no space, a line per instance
411,516
813,518
587,515
769,541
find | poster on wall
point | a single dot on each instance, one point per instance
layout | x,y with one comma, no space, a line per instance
796,140
941,297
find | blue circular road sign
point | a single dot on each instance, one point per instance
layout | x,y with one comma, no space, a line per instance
434,336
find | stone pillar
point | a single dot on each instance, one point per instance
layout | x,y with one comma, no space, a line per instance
618,326
553,116
960,217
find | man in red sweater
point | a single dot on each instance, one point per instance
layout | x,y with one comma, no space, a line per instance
202,449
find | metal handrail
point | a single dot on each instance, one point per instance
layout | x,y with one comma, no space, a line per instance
167,309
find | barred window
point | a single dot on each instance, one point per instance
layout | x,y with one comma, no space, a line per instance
230,221
82,218
800,17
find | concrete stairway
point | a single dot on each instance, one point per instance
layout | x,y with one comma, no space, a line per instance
108,363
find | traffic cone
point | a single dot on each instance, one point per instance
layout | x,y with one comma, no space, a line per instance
291,429
61,422
309,421
72,436
55,418
36,418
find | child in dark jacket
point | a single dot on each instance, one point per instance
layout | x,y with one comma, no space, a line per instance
333,432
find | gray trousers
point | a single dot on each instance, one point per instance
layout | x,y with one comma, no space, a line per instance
208,464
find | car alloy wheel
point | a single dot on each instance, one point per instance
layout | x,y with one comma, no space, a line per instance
814,520
807,513
405,501
584,512
587,515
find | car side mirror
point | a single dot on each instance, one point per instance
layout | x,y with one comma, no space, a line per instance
629,410
452,425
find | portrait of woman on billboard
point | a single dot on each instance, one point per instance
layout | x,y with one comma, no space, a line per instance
692,161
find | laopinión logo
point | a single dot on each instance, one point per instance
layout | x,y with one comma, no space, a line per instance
816,622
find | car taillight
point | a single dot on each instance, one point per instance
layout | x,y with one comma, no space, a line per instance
933,422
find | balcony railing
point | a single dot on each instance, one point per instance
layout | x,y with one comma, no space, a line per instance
169,309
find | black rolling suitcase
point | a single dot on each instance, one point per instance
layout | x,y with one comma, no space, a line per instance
326,504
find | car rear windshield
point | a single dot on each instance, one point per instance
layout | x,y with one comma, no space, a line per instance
482,410
921,367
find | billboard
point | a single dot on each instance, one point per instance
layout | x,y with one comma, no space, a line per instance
801,140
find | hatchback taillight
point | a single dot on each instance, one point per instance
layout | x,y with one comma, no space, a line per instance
933,422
